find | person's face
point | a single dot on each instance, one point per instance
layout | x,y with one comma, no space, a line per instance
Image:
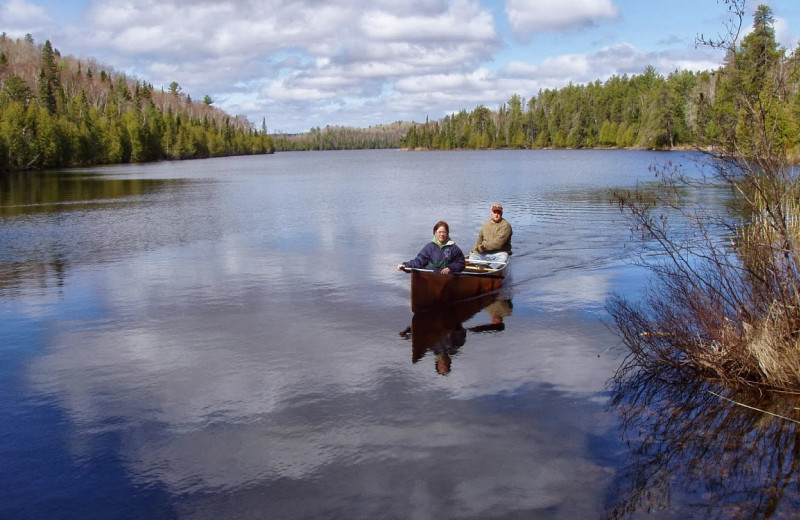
441,234
497,215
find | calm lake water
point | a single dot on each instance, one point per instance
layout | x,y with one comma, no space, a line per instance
228,338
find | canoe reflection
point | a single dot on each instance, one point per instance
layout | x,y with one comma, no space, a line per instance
441,330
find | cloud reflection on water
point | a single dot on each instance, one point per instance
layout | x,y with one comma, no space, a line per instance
240,371
222,395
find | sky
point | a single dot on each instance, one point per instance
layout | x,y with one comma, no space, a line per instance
299,64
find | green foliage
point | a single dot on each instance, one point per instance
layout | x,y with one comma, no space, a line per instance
49,79
645,111
650,111
757,88
341,138
724,301
15,89
58,117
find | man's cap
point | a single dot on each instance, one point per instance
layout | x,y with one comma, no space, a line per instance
497,207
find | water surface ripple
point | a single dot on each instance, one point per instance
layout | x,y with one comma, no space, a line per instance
226,339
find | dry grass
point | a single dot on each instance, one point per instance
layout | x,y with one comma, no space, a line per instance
728,310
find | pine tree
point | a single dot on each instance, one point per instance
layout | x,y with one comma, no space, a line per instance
49,79
15,89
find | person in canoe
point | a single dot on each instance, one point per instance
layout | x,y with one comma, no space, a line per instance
441,254
493,245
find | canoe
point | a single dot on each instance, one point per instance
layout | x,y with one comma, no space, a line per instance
430,289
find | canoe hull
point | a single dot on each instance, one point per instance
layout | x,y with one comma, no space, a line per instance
430,289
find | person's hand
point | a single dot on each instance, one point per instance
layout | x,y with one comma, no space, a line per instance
401,267
481,249
446,270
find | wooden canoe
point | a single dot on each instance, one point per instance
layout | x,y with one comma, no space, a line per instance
431,289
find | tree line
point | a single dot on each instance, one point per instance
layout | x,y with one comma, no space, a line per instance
647,111
58,111
344,138
639,111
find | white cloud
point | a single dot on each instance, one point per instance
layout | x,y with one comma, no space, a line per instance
16,11
442,83
307,63
420,91
463,20
278,91
19,17
526,16
617,59
288,51
783,33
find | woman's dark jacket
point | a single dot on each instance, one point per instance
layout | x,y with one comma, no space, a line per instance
436,257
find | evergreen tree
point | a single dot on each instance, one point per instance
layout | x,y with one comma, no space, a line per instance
750,77
15,89
49,79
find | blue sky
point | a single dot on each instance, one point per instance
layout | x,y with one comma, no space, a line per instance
305,63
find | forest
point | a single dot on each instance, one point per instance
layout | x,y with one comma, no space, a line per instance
685,109
344,138
639,111
57,111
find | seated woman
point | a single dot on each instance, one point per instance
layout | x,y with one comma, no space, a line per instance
441,254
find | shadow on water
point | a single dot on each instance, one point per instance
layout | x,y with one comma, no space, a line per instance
728,456
441,330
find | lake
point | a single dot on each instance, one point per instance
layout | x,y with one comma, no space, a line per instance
229,338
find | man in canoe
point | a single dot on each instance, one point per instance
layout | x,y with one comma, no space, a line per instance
493,246
441,254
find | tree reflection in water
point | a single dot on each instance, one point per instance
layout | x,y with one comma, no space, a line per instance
729,461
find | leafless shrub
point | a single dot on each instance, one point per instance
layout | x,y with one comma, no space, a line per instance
724,300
